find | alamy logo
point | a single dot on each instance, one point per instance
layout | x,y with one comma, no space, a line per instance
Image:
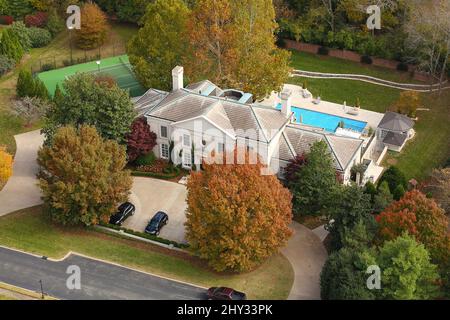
374,20
74,20
73,282
374,280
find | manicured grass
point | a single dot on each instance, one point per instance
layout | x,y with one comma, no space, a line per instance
430,148
371,96
3,297
29,230
317,63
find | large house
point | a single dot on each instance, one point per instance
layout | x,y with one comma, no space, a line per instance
191,122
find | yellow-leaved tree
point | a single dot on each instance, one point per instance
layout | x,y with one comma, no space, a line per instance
94,27
6,163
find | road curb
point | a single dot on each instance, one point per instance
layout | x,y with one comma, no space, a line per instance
73,253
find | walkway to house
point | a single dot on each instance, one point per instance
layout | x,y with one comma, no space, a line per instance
21,190
307,255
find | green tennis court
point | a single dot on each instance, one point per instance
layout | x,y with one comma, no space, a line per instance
118,68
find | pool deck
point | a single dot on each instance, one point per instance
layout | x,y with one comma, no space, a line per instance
372,118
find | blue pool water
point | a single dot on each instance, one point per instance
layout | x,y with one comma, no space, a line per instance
326,121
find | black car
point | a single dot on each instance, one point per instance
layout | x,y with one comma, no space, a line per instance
223,293
124,211
159,220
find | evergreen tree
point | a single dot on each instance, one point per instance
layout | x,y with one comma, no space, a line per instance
316,181
40,90
25,84
383,198
10,45
19,8
349,207
344,277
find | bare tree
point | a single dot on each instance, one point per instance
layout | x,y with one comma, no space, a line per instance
331,13
439,186
429,34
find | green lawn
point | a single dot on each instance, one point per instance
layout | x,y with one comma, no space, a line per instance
371,96
431,146
29,230
3,297
429,149
317,63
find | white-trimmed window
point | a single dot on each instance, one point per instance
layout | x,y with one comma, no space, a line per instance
221,147
186,140
164,151
164,133
187,160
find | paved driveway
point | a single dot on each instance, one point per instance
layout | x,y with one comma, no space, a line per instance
152,195
99,280
307,255
21,191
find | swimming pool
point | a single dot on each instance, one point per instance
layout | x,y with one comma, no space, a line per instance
326,121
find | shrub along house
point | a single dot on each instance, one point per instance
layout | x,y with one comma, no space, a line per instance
199,120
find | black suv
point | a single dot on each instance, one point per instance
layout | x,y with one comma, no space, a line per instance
159,220
123,212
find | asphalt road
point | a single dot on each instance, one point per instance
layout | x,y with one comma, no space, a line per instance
99,280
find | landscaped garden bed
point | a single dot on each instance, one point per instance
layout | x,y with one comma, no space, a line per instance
149,166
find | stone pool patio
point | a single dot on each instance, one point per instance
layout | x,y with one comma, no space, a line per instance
372,118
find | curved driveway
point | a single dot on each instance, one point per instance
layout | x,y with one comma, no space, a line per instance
304,251
307,255
21,190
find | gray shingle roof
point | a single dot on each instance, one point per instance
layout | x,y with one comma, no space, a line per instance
257,123
395,138
246,120
149,100
342,149
393,121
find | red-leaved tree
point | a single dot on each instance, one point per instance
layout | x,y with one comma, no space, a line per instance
294,166
421,217
141,140
393,224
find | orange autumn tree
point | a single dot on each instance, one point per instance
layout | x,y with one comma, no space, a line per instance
94,27
236,217
421,217
6,163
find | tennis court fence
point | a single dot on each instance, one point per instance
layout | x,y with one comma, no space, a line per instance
77,57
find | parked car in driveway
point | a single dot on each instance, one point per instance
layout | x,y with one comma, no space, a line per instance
124,211
159,220
223,293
